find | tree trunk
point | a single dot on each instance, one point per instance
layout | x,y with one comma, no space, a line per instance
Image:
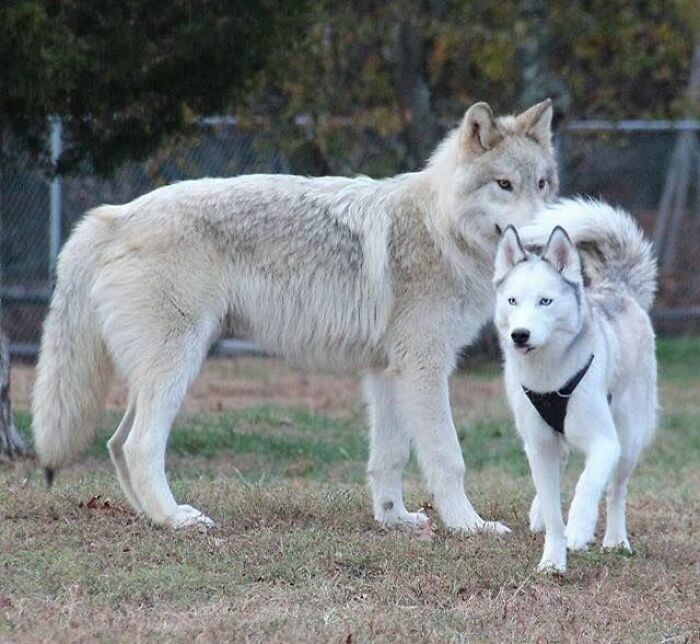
11,443
673,202
413,93
537,80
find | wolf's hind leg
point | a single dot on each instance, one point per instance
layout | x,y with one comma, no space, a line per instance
389,453
115,445
159,385
144,452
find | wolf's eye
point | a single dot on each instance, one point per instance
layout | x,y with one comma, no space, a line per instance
542,184
504,184
512,301
545,301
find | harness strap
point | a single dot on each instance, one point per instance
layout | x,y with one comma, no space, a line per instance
552,405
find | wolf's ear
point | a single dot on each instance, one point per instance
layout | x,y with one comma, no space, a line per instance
510,252
478,131
536,122
563,255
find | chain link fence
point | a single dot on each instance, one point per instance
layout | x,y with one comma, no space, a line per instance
628,164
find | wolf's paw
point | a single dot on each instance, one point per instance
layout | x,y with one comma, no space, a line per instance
188,517
617,542
536,520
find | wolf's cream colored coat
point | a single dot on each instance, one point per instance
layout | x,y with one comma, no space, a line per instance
568,322
388,278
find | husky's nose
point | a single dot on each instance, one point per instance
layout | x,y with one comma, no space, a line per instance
520,337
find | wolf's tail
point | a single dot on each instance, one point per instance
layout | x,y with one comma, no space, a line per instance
74,368
614,249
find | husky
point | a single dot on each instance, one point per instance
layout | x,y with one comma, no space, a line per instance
386,278
580,365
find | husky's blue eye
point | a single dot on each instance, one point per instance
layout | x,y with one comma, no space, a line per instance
504,184
545,301
511,301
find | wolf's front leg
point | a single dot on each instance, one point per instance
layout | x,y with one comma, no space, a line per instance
389,453
544,455
422,399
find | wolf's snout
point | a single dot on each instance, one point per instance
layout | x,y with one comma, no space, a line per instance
520,337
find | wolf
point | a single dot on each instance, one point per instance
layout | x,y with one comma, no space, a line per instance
580,365
387,278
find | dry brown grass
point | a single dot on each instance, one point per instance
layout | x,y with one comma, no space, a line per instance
296,556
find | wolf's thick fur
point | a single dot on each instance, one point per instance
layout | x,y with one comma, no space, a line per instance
388,278
550,323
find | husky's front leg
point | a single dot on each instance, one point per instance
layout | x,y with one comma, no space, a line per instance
389,453
422,397
535,515
544,455
602,451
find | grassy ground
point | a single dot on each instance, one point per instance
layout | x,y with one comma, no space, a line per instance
296,555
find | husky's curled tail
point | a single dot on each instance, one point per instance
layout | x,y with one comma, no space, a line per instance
74,368
614,251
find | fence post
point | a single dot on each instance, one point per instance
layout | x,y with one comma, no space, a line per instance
56,198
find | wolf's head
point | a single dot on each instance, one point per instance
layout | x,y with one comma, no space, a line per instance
539,298
495,172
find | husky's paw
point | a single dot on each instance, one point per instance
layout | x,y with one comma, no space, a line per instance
188,517
553,556
536,520
550,567
578,537
617,542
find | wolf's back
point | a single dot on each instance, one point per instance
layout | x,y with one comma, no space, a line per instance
614,248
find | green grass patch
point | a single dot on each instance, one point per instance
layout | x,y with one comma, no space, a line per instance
678,358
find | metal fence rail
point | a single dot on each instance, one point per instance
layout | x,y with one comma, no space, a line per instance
625,162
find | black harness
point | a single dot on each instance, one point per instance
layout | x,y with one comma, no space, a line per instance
551,405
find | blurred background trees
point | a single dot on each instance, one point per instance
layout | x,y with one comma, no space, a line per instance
123,74
409,69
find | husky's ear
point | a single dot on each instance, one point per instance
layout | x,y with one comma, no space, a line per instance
563,255
510,252
536,122
478,131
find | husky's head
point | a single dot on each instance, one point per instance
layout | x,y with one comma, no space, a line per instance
496,172
539,298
